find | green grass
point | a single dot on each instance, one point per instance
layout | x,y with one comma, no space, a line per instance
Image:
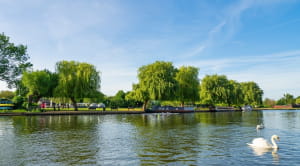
70,109
13,111
98,109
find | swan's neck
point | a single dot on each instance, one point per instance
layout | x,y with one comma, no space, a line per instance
274,143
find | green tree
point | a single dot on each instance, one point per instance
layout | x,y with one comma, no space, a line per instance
97,97
156,82
286,99
138,94
188,82
297,100
13,61
235,93
77,80
252,93
6,94
214,89
119,99
18,101
289,98
281,101
21,89
39,83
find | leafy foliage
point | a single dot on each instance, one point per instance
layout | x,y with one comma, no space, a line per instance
215,89
158,79
252,93
39,83
156,82
13,61
297,100
286,99
76,80
188,82
6,94
236,96
119,99
18,101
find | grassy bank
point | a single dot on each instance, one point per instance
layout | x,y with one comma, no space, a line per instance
83,111
67,109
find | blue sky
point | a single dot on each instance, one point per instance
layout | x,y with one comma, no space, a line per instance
246,40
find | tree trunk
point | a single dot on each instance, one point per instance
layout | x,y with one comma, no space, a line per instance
182,104
145,105
74,104
29,107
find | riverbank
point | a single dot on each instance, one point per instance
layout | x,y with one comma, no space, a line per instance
47,113
88,112
70,113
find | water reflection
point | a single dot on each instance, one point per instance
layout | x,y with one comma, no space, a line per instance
264,151
149,139
58,139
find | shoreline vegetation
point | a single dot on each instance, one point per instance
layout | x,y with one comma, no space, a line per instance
49,112
159,83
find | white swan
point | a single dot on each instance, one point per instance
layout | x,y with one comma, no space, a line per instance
261,126
262,143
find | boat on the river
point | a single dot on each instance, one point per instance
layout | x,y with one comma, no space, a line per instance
221,109
170,109
247,108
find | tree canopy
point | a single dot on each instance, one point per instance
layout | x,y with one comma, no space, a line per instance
138,94
158,79
214,89
6,94
252,93
217,89
286,99
156,82
297,100
77,80
13,61
188,84
235,93
39,83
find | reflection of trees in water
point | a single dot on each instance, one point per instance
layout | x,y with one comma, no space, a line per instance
226,118
171,137
279,118
166,138
61,139
31,124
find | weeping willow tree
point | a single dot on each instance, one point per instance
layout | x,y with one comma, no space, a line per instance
77,80
252,93
39,84
138,94
187,78
214,89
156,82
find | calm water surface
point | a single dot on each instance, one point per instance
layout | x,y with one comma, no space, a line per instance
149,139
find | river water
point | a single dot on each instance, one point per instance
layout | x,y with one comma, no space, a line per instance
149,139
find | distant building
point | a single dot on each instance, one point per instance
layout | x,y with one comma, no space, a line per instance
283,106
